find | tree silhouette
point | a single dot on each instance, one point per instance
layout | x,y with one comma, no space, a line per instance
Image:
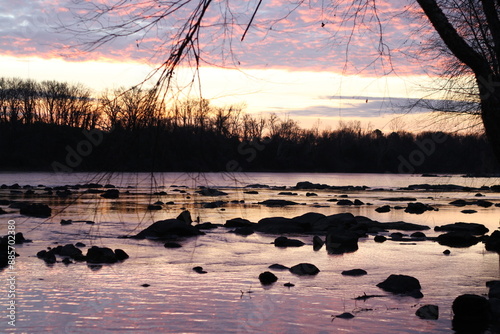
192,31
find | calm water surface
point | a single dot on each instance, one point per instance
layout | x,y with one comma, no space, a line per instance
229,298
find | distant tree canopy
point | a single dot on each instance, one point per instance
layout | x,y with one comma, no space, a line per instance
47,124
465,46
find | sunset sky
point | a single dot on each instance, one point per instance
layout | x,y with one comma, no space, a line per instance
311,65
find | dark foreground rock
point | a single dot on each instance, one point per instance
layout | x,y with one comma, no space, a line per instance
457,239
267,278
280,225
36,210
97,254
287,242
472,228
471,313
428,312
277,266
304,269
402,284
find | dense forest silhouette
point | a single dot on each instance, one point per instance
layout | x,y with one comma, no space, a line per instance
63,127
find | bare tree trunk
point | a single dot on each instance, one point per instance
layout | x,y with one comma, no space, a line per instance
489,90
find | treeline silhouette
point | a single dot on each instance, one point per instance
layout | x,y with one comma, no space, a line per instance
63,127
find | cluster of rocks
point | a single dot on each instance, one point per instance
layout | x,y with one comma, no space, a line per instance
95,254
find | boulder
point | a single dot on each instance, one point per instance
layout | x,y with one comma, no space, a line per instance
472,228
471,313
469,211
280,225
384,208
379,238
345,202
402,284
185,217
418,208
428,312
304,269
286,242
36,210
340,242
121,255
97,254
354,272
71,251
492,243
199,270
167,229
317,243
308,219
267,278
238,222
457,239
339,221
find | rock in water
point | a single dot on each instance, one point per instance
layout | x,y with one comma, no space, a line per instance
402,284
317,243
267,278
493,242
457,239
340,242
36,210
428,312
303,269
101,255
165,229
286,242
471,313
185,216
354,272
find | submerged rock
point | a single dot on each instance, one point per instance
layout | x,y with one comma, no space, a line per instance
304,269
267,278
277,266
402,284
199,270
428,312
